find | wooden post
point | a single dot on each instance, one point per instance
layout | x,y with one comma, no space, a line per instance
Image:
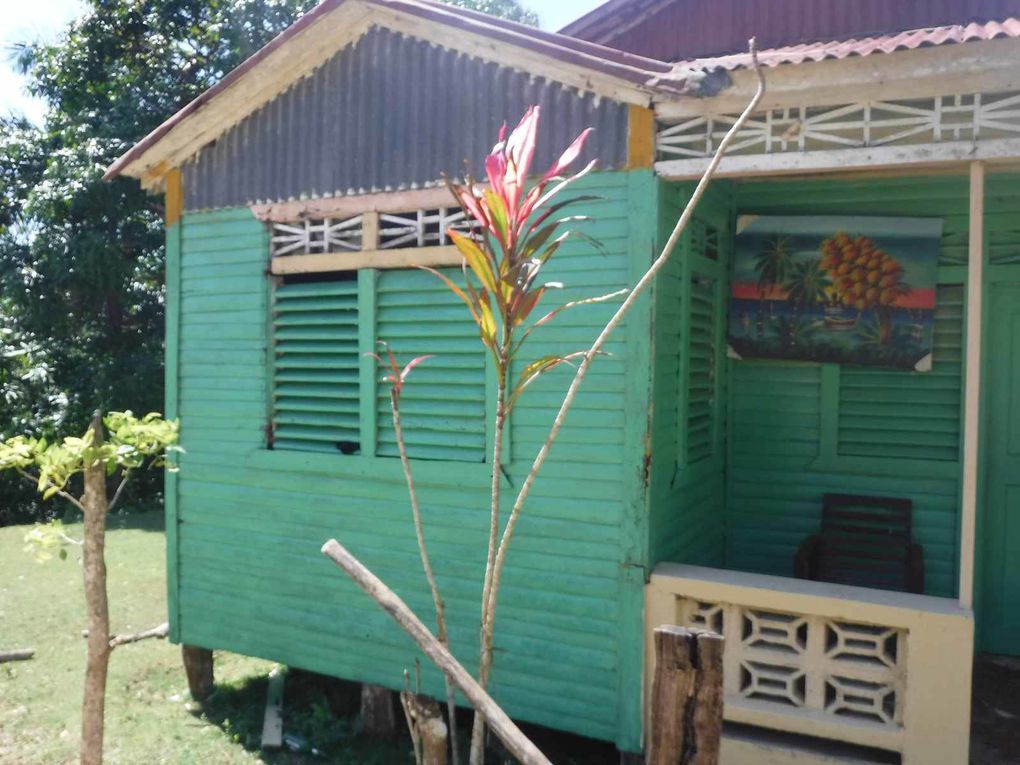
198,664
972,384
687,697
98,613
377,712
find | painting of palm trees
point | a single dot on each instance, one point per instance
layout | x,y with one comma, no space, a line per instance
846,290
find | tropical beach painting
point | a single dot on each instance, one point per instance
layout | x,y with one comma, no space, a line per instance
847,290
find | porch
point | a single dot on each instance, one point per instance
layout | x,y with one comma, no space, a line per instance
817,671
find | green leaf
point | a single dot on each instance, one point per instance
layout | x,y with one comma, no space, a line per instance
478,260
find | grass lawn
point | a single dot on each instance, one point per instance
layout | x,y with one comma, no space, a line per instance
150,717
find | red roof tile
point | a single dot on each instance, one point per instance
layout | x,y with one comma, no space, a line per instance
865,46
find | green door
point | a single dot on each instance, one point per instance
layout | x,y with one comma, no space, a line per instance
1000,553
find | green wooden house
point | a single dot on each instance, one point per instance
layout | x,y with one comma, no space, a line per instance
302,190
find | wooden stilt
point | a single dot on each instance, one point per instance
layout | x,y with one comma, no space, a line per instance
198,664
377,710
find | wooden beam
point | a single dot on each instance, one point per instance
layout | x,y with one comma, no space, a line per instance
370,231
343,207
409,257
174,199
972,384
787,163
640,137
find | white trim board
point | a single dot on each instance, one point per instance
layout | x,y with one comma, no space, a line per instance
880,157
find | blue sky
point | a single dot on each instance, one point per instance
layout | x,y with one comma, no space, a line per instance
28,21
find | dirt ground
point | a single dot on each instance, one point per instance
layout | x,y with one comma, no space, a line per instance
995,724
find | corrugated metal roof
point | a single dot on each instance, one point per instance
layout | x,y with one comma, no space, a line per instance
865,46
681,30
634,70
383,115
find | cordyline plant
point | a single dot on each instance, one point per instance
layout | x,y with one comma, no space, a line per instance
131,444
518,234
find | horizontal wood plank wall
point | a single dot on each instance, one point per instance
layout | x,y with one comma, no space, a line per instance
778,410
686,506
252,579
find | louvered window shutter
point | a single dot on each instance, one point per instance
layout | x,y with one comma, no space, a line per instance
701,372
315,366
888,414
443,405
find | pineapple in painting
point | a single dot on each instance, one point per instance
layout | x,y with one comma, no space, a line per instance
842,290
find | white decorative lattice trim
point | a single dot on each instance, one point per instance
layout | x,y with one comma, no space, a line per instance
937,119
310,237
422,228
370,232
803,664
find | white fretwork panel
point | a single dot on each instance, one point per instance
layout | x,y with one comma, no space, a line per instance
316,236
422,228
937,119
802,664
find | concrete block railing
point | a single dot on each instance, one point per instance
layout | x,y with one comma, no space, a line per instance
873,669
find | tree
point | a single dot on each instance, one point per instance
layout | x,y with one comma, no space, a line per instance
507,9
772,265
133,443
81,260
864,277
807,283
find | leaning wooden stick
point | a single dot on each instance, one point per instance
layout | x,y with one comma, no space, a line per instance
158,633
21,654
628,303
504,728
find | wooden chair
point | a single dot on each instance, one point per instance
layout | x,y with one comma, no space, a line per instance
864,541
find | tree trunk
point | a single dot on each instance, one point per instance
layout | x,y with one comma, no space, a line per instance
198,666
98,657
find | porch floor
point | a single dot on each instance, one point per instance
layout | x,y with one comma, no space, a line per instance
995,723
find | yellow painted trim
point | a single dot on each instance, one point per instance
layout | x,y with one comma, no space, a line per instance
640,137
174,197
409,257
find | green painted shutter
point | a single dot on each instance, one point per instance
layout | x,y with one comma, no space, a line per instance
701,373
443,405
890,414
315,367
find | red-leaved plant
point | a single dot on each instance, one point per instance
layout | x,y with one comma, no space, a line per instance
518,229
517,234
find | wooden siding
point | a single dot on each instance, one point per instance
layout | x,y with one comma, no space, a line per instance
251,521
799,430
687,481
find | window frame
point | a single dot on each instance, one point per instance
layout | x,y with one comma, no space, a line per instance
367,263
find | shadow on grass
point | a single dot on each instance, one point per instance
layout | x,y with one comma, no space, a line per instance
322,713
319,713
